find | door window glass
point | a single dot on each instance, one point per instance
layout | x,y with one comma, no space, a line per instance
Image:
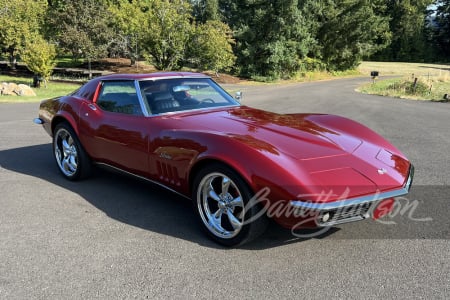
119,97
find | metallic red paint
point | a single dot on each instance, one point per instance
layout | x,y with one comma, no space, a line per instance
297,156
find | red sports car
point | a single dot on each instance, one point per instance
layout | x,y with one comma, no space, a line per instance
239,165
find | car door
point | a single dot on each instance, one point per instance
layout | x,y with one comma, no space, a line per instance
114,127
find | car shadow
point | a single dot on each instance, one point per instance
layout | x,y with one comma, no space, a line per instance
133,201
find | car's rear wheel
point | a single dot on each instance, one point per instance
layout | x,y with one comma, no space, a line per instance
72,160
221,198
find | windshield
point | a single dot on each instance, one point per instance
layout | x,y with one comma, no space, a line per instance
179,94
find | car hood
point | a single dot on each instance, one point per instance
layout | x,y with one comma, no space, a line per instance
335,151
300,136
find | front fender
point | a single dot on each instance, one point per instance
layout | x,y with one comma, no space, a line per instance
261,165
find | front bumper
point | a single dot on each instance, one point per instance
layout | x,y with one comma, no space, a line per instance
38,121
349,210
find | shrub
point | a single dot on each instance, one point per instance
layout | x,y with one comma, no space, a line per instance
421,88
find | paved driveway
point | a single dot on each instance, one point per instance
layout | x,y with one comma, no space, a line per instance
115,237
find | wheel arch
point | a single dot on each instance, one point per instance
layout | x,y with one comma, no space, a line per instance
58,119
201,164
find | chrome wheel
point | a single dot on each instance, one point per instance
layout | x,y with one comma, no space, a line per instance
220,205
72,160
222,200
66,152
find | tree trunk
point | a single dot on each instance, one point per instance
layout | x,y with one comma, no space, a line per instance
12,59
89,66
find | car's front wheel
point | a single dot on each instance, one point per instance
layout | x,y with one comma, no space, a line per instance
72,160
222,201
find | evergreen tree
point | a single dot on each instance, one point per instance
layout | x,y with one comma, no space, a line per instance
206,10
407,24
347,31
271,38
442,29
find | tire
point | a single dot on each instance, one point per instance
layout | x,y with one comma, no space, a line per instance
71,159
220,198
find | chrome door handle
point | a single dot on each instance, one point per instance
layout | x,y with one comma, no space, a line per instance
92,107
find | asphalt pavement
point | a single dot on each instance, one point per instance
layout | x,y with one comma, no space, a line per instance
113,236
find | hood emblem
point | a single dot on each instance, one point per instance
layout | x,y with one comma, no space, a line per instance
382,171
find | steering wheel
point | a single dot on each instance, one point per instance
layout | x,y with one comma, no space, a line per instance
207,100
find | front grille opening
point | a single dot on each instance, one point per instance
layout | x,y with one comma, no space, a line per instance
344,214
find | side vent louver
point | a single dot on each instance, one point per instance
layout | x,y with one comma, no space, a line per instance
168,173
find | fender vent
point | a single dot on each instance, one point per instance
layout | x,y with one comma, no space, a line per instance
168,173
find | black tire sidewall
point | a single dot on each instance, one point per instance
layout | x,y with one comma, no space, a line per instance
248,231
83,167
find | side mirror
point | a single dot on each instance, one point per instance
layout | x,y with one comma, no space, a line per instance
238,96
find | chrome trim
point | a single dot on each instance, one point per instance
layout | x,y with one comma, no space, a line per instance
38,121
170,113
117,77
144,107
148,113
140,177
347,214
173,77
410,177
358,200
349,220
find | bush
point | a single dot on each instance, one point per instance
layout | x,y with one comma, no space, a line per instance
39,56
409,88
308,64
210,47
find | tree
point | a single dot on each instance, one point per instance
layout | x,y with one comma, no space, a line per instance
19,20
206,10
271,38
81,27
39,56
210,46
442,29
407,24
349,30
130,23
167,33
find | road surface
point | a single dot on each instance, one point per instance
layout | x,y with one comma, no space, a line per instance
112,236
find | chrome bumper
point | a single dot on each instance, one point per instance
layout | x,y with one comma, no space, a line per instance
38,121
349,210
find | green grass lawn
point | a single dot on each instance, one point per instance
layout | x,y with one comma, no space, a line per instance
53,89
433,80
404,69
68,62
404,88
